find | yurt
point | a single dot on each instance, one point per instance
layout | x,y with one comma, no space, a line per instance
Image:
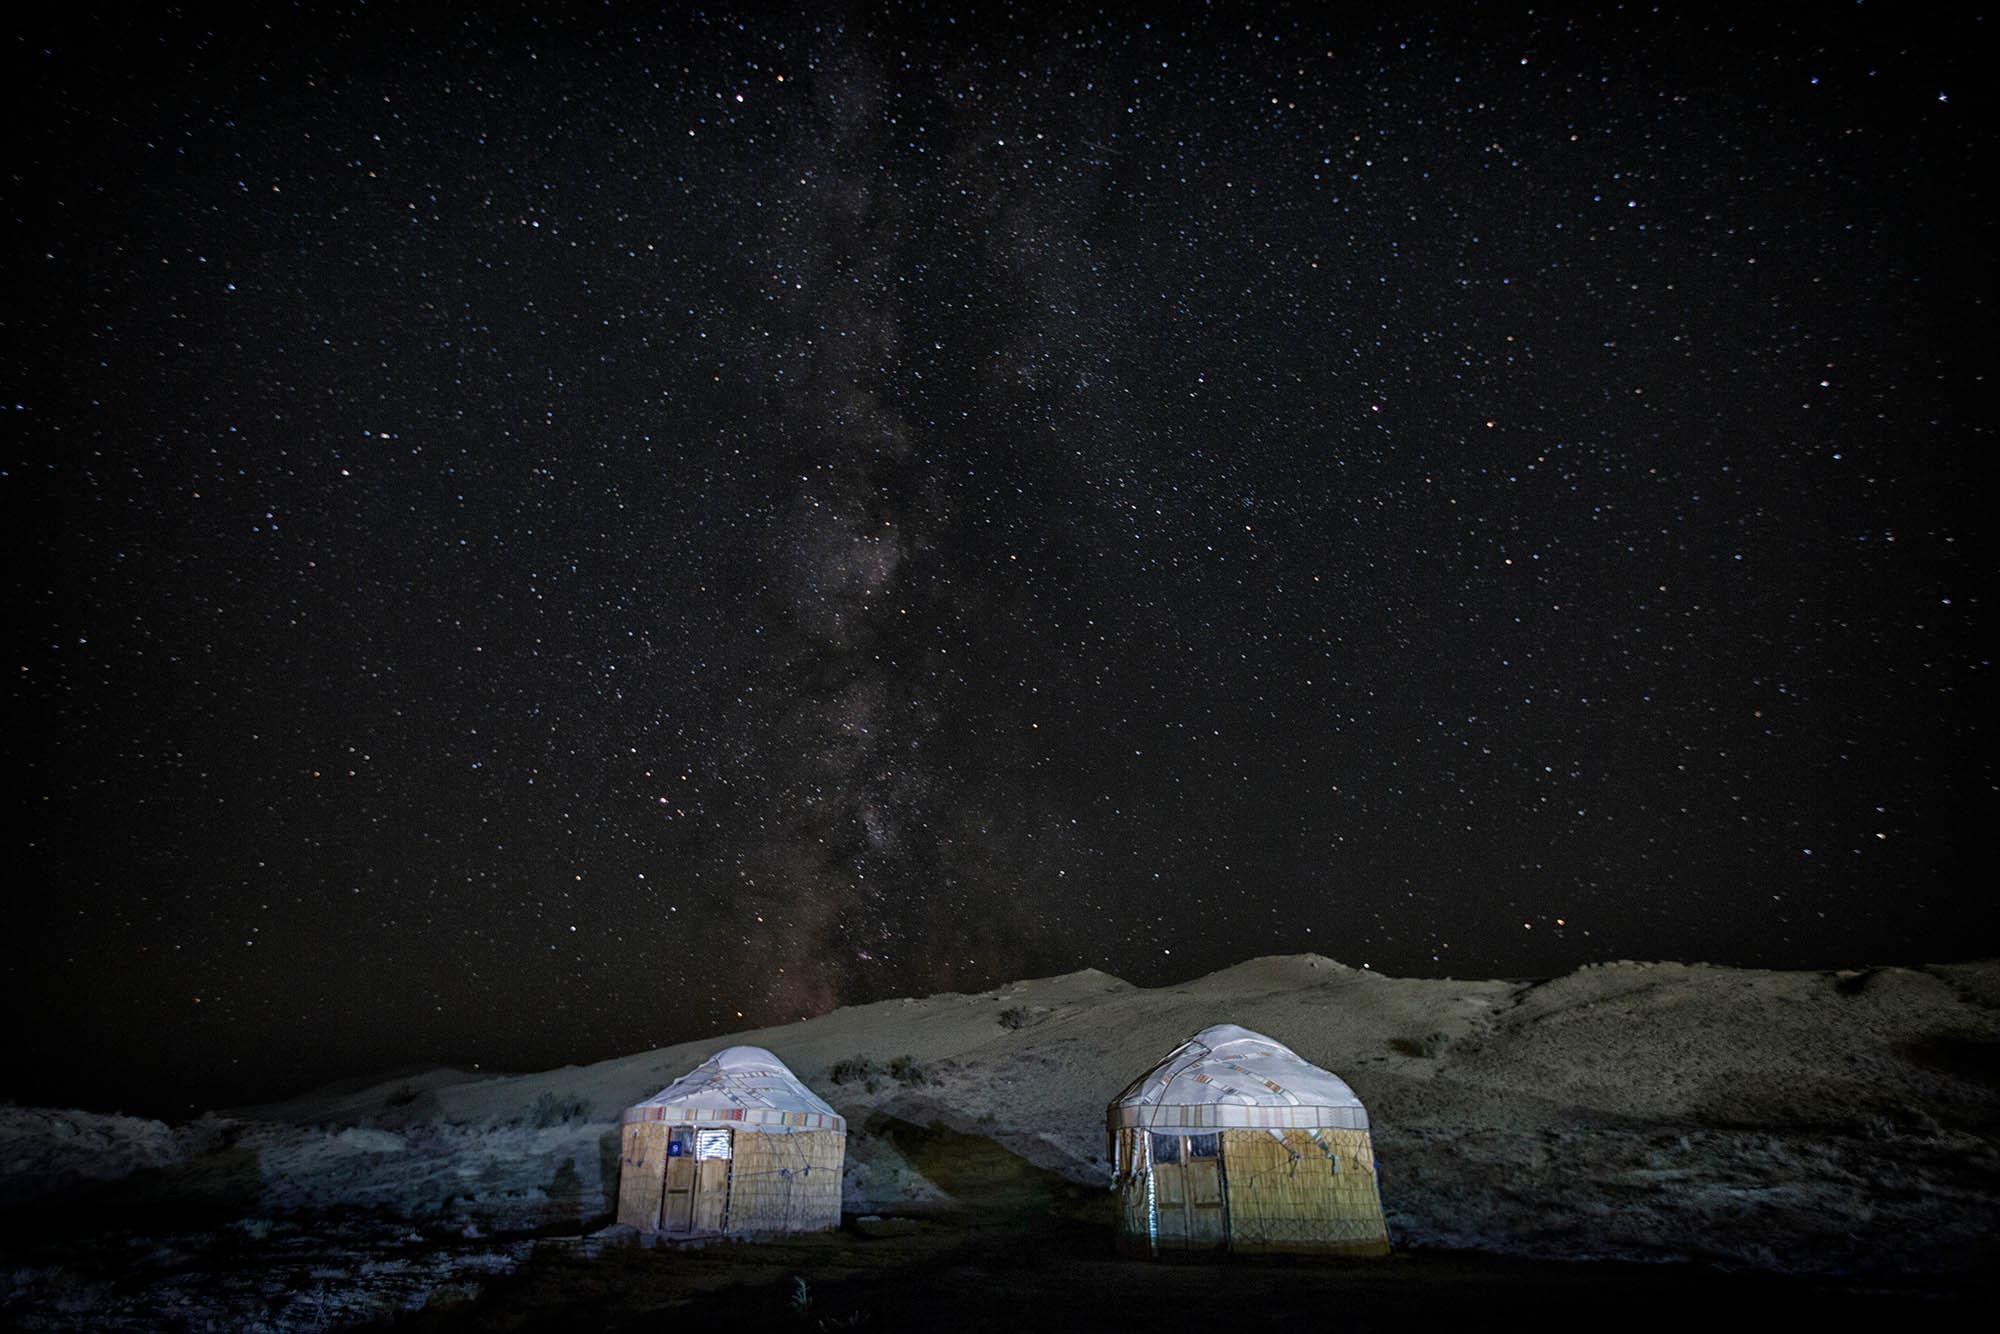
736,1147
1236,1142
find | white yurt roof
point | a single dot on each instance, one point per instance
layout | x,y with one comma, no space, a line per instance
1228,1078
741,1085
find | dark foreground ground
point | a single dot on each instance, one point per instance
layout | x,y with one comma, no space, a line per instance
923,1275
1022,1250
1046,1272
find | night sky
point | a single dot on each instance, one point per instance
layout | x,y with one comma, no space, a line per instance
536,537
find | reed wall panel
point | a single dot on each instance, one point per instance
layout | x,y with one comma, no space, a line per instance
642,1173
1309,1191
785,1183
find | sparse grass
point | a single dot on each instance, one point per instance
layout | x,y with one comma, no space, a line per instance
907,1069
801,1302
854,1070
1016,1016
550,1110
863,1071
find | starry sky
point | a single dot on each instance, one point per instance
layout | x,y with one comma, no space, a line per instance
535,537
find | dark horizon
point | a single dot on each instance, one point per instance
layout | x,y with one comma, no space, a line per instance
536,536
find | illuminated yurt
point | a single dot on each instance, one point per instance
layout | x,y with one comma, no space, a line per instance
1236,1142
736,1147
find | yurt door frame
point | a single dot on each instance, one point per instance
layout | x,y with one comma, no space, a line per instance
696,1199
1190,1192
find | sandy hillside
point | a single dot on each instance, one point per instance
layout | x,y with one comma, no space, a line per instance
1832,1122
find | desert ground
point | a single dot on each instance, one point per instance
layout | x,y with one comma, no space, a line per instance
1691,1137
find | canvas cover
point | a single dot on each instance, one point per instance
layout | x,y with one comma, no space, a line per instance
745,1086
1227,1077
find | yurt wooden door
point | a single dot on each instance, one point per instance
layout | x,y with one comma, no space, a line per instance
696,1199
1188,1191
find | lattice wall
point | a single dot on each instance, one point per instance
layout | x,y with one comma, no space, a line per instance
1134,1207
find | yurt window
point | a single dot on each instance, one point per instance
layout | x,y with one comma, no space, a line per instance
1204,1146
679,1144
1166,1148
711,1144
